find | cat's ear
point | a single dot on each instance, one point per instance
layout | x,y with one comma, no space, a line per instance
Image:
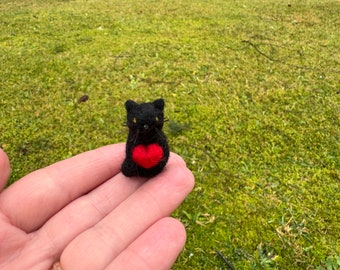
129,104
159,104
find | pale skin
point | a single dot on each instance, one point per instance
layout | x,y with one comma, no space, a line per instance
84,213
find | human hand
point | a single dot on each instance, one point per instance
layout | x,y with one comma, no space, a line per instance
84,213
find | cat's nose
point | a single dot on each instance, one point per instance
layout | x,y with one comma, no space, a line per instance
146,127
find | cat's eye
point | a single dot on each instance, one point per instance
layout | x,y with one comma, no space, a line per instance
134,120
156,119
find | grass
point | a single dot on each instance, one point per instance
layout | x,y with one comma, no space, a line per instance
252,91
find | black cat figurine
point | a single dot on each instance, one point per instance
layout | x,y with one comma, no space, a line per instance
147,150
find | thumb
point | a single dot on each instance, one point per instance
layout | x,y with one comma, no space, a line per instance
4,169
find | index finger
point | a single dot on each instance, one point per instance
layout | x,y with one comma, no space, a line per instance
32,200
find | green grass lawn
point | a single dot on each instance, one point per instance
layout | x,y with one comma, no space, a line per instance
252,92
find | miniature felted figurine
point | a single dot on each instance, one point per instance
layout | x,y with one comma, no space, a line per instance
147,150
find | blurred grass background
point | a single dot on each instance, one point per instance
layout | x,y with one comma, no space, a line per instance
252,93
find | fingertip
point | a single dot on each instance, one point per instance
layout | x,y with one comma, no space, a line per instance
157,248
177,159
173,235
178,169
168,238
174,230
4,168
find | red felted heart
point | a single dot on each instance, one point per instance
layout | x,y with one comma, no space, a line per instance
147,156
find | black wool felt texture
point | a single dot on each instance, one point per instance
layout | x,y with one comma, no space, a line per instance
147,149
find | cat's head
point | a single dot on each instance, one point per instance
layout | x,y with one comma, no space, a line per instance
145,117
